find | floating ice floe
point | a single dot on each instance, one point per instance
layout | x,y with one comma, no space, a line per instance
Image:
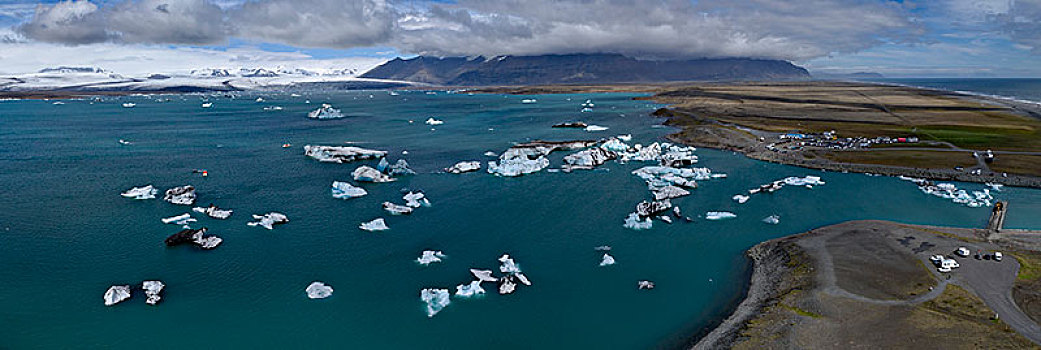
152,290
513,273
259,100
116,294
325,112
994,186
397,209
634,222
144,192
484,275
368,174
666,219
529,101
740,198
808,182
374,225
416,199
658,177
648,209
772,219
596,128
719,215
464,167
343,190
214,212
490,154
196,237
949,191
586,110
588,159
436,300
469,290
607,260
341,154
129,105
207,105
269,220
507,285
278,108
432,121
517,166
125,142
530,157
318,290
430,256
588,104
399,168
645,285
181,220
508,265
184,195
603,248
576,125
669,192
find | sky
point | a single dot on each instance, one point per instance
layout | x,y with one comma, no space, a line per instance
940,38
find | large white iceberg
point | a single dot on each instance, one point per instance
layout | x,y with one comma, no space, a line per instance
116,294
517,166
464,167
430,256
214,212
318,290
184,195
607,260
596,128
343,190
152,290
325,112
951,192
374,225
469,290
269,220
368,174
397,209
432,121
436,300
416,199
669,192
484,275
144,192
341,154
588,159
719,215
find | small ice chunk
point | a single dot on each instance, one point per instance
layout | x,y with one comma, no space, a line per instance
603,248
152,290
325,112
507,286
182,219
740,198
719,215
318,290
214,212
416,199
144,192
399,168
343,190
490,154
508,265
432,121
607,260
469,290
269,220
184,195
634,222
669,192
374,225
522,278
484,275
645,284
430,256
368,174
116,294
665,218
596,128
436,300
207,105
464,167
772,219
529,101
129,105
397,209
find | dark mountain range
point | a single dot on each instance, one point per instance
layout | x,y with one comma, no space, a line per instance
579,69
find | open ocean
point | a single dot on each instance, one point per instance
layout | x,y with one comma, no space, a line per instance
66,235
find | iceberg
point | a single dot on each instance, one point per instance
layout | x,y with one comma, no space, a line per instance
508,265
416,199
430,256
529,101
144,192
951,192
517,166
399,168
634,222
196,237
658,177
469,290
116,294
269,220
490,154
484,275
464,167
152,290
182,219
207,105
615,145
577,125
507,286
374,225
670,192
436,300
432,121
341,154
648,209
397,209
588,159
719,215
214,212
184,195
129,105
522,278
741,199
343,190
808,182
318,290
325,112
367,174
588,104
666,219
596,128
645,285
607,260
772,219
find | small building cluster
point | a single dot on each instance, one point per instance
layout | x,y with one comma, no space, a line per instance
797,140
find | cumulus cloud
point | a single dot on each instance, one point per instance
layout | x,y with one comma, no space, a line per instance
1023,23
647,28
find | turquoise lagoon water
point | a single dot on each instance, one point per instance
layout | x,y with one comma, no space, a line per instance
66,235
